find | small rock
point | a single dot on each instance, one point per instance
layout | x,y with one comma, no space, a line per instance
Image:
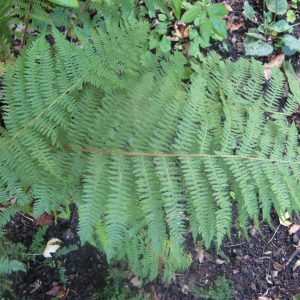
185,289
269,279
253,286
253,231
68,234
295,238
274,274
235,272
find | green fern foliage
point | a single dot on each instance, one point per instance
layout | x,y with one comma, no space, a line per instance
8,266
106,124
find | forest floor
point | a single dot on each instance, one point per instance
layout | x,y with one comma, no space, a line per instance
263,267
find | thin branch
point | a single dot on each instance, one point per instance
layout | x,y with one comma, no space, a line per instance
31,220
296,252
274,234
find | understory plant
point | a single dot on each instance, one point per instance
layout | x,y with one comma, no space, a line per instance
146,156
220,289
274,31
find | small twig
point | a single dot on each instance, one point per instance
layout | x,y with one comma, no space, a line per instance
293,256
84,8
27,21
32,254
25,217
165,293
73,291
274,234
231,246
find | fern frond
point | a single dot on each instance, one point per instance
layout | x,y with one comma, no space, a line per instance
146,157
8,266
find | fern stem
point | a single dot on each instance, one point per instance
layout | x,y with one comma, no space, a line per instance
157,154
26,25
233,108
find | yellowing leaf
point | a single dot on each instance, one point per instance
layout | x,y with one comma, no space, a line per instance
52,246
65,3
283,220
296,265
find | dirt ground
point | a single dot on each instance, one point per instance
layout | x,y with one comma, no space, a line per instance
263,265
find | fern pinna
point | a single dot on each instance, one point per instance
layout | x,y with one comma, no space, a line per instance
147,157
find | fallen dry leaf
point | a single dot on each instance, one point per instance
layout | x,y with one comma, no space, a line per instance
181,31
234,23
153,293
172,38
296,265
52,246
283,220
57,291
228,6
135,282
200,252
276,61
36,285
220,261
235,27
44,219
294,228
277,266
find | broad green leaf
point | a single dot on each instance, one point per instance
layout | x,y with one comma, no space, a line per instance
191,14
194,48
206,30
65,3
165,44
202,43
279,7
291,77
176,6
162,17
269,16
296,297
287,51
249,12
291,16
256,47
255,35
291,42
281,26
151,8
154,40
219,26
217,10
161,28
